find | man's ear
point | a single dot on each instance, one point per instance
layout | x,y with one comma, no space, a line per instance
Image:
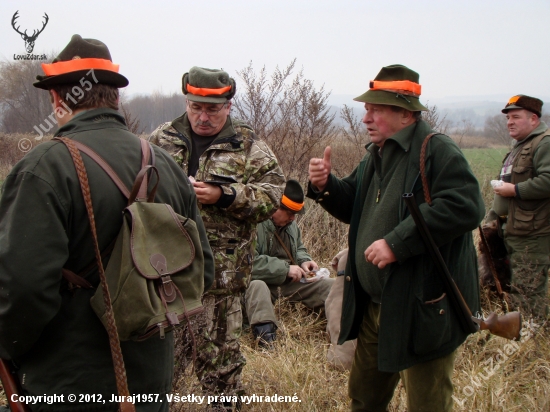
406,116
55,99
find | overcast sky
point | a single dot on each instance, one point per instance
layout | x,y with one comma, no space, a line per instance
460,48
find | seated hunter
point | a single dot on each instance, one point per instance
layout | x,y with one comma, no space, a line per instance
282,267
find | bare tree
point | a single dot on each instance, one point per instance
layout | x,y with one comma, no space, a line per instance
438,122
290,114
495,128
22,106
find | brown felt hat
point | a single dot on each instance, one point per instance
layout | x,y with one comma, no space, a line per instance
520,101
293,197
394,85
76,61
208,85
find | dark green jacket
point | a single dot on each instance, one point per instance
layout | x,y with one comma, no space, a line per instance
410,331
51,333
272,270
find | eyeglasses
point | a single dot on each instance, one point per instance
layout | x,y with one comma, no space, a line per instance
209,112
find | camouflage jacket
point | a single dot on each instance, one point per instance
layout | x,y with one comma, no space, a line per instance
239,156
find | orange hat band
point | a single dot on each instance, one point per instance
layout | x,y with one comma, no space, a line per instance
405,87
202,91
291,204
55,69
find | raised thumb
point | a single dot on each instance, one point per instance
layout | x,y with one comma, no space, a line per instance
326,156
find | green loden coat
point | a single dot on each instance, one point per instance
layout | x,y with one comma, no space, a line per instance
410,331
50,331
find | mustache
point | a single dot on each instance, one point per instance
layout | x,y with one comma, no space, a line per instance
206,123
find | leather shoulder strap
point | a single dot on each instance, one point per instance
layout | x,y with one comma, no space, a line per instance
425,187
285,248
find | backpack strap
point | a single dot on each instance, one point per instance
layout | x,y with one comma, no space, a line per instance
114,341
147,153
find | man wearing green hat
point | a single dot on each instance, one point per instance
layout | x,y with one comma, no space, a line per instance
48,327
238,183
395,303
522,205
282,267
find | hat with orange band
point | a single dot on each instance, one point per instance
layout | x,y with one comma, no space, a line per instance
208,85
395,85
293,197
75,62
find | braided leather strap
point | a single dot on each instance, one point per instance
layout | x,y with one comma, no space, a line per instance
425,186
114,342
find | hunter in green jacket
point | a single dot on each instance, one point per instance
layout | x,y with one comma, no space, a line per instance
394,301
47,326
282,267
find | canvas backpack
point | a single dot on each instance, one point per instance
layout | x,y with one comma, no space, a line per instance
155,274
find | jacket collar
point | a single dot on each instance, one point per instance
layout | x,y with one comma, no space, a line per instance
90,119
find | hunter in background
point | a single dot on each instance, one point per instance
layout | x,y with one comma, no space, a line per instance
521,206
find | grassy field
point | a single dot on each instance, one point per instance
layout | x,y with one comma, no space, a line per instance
491,374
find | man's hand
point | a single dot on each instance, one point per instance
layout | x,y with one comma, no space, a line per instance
380,254
319,170
295,273
506,190
309,266
207,194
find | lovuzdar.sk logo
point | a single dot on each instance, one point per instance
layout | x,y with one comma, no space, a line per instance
29,40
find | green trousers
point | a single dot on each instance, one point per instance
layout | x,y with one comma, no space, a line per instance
428,385
259,297
530,261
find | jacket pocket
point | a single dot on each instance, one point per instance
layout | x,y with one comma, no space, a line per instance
529,220
432,325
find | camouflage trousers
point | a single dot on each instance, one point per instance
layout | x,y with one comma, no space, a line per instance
220,362
530,261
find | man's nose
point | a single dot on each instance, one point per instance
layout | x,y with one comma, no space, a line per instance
203,117
366,118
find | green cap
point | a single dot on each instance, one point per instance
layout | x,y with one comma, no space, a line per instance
521,101
208,85
394,85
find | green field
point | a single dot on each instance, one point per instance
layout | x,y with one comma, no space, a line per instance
485,164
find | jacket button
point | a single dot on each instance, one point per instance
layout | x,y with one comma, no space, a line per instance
442,311
348,278
326,193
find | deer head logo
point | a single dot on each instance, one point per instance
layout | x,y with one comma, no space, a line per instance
29,40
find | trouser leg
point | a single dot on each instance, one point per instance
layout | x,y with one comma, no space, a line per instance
259,307
369,389
219,361
340,356
429,385
312,295
530,262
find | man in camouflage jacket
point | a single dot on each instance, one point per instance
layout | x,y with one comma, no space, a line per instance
238,183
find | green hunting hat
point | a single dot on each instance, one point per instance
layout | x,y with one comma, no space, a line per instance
87,59
394,85
208,85
293,197
520,101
